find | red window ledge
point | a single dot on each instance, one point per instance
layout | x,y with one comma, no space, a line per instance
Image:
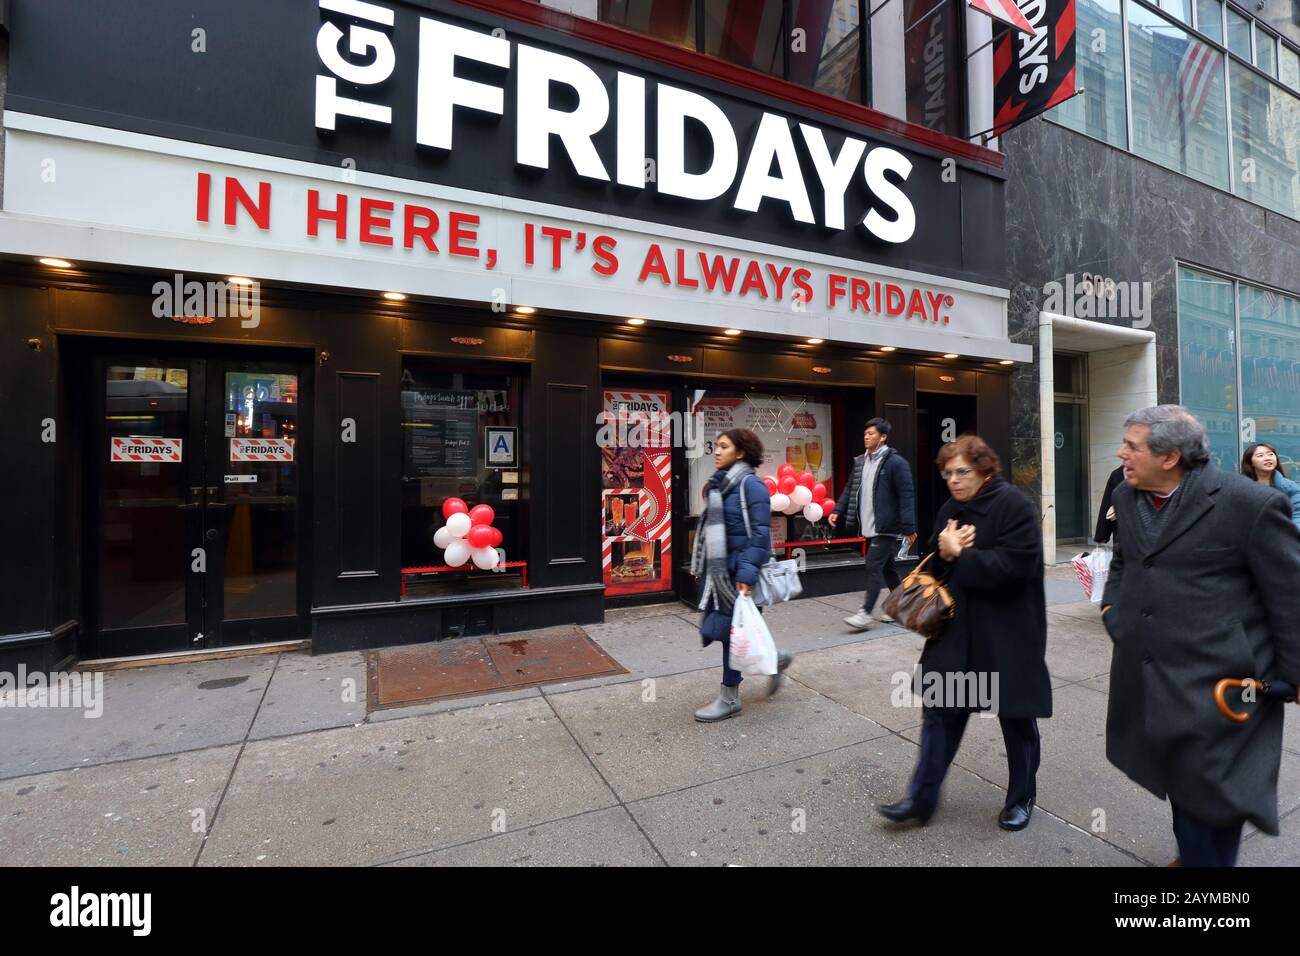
648,48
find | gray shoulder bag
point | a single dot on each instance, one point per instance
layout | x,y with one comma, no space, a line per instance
777,580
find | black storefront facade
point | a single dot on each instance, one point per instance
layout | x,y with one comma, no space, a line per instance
199,465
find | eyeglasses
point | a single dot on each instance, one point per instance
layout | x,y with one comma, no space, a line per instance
962,473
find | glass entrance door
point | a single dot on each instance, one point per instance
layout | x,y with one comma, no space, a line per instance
195,519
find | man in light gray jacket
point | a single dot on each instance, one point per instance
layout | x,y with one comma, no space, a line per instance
1203,586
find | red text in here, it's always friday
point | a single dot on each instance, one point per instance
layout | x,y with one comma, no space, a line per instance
379,222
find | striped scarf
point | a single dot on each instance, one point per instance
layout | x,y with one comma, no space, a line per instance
709,559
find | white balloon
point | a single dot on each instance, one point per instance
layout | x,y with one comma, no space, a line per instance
442,538
813,512
792,509
457,552
485,558
780,502
458,525
801,495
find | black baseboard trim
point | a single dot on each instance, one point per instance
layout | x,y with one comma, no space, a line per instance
391,624
43,651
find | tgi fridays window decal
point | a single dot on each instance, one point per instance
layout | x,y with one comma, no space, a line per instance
261,449
146,449
636,503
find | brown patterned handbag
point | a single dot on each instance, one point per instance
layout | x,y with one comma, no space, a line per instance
921,603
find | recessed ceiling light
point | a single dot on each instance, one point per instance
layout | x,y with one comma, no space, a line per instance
951,355
887,348
816,341
636,321
56,263
239,280
395,296
1007,362
731,331
525,309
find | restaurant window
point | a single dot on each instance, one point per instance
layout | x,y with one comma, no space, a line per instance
826,47
1179,102
1270,370
935,63
1209,19
1099,58
1265,140
795,429
1208,359
461,438
748,32
670,20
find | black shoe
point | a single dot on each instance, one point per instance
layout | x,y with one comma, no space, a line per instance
1016,817
905,810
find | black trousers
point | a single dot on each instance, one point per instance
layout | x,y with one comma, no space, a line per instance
941,733
880,568
1200,844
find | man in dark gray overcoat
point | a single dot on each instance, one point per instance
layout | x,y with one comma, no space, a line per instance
1204,584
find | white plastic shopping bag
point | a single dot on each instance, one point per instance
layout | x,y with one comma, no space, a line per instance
752,651
1093,568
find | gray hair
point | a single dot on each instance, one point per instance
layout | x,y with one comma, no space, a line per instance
1174,428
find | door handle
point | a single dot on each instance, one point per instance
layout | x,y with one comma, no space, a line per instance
192,504
212,494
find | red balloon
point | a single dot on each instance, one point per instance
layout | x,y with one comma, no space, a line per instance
496,537
807,479
771,484
453,506
819,492
786,469
482,514
787,484
828,506
480,536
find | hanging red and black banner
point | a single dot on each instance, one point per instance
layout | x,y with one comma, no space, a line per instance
1033,72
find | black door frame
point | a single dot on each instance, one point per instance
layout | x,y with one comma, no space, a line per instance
204,594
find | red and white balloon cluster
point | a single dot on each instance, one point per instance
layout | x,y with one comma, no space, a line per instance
793,492
468,534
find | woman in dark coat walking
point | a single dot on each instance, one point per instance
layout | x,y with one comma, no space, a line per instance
729,550
992,654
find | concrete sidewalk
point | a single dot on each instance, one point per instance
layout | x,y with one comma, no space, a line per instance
274,761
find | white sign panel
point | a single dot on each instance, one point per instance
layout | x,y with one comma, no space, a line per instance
145,449
223,211
261,449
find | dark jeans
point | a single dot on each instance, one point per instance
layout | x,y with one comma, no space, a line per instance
941,733
1200,844
880,568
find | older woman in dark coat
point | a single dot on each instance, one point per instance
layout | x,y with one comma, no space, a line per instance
992,654
730,547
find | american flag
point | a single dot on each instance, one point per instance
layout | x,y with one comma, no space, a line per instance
1004,11
1181,91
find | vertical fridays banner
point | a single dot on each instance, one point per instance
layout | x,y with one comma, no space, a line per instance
1033,72
636,503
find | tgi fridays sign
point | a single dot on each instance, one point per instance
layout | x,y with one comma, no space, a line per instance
448,53
261,449
145,449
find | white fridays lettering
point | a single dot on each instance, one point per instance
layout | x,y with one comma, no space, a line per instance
440,91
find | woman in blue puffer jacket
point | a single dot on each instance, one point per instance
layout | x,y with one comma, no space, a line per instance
1261,463
727,555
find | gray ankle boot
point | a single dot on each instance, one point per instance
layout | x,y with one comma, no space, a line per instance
727,705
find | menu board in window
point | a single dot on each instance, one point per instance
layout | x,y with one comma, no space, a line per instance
440,432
